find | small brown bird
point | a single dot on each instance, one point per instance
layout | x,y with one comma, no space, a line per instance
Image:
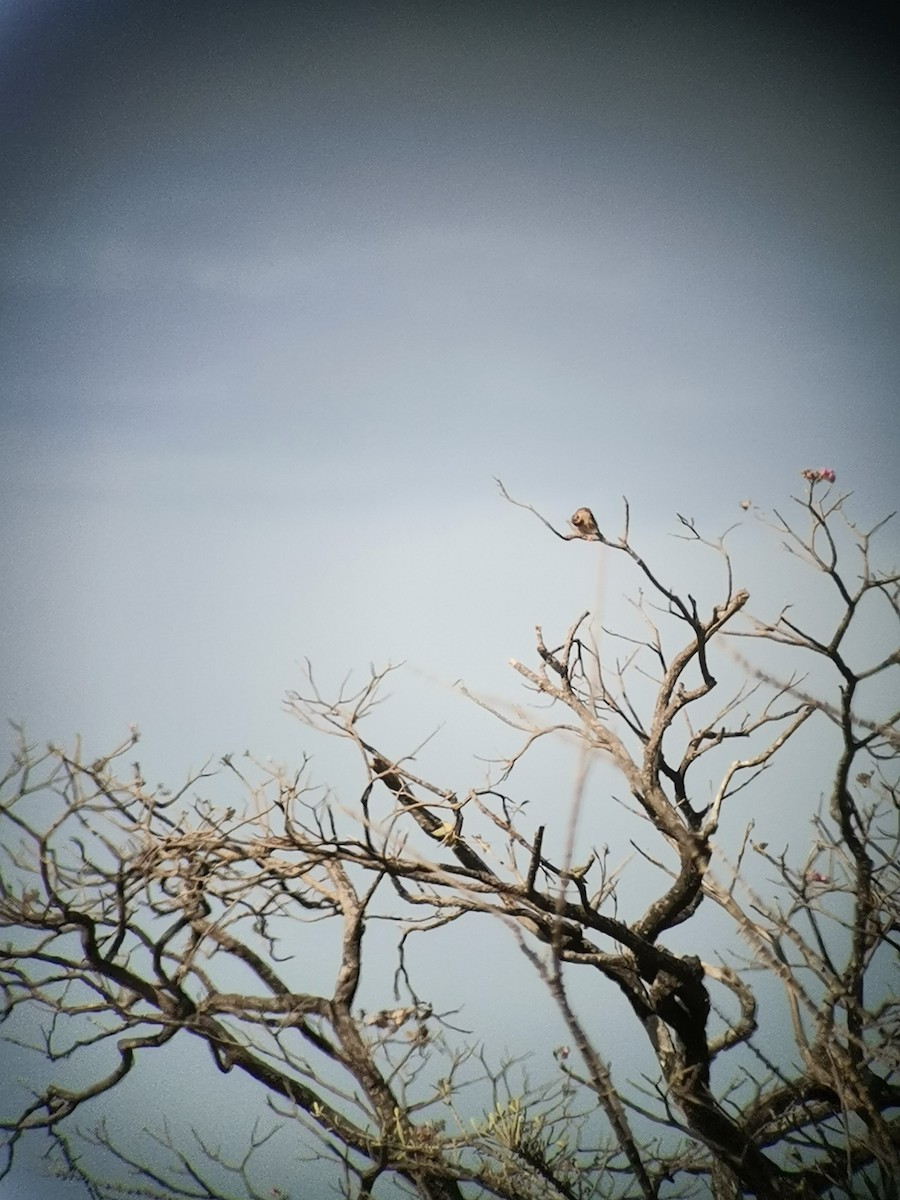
584,524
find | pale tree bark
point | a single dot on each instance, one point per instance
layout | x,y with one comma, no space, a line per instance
137,917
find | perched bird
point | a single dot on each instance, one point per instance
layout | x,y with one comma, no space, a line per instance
584,524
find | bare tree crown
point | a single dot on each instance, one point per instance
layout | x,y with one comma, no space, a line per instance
137,918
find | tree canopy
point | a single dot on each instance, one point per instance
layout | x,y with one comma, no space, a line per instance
245,913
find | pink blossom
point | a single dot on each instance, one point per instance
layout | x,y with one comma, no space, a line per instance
819,475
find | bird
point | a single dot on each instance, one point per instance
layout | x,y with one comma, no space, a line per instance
584,524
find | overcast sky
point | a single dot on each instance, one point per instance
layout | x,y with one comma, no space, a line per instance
284,286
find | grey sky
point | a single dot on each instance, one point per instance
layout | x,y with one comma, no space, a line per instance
285,285
288,282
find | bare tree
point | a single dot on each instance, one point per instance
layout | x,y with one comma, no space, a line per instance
137,918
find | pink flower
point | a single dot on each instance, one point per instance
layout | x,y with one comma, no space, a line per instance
819,475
